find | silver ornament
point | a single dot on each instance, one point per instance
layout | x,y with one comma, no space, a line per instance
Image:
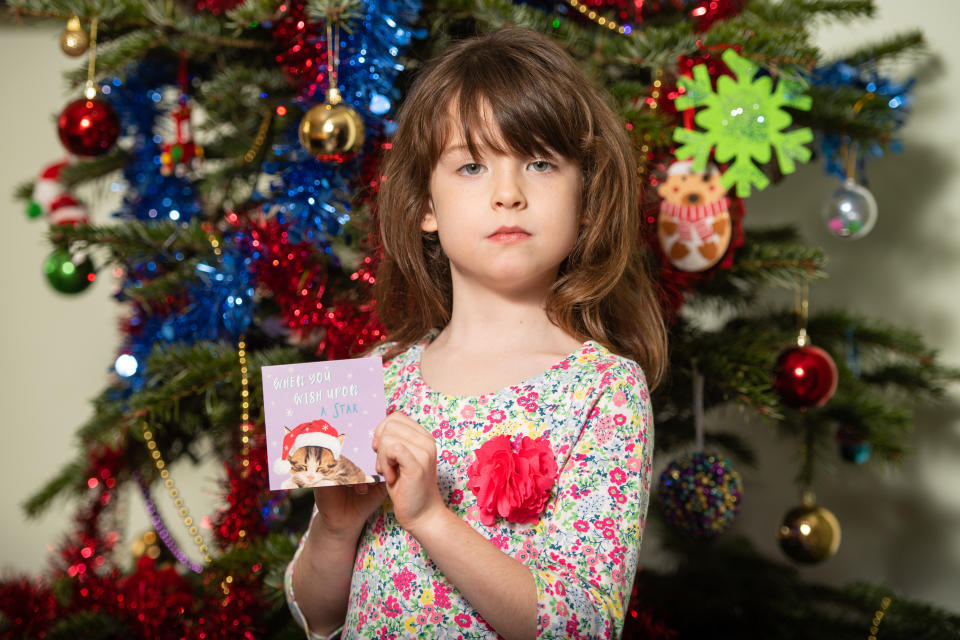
851,211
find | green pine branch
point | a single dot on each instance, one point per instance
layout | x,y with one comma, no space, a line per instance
654,47
768,257
106,10
178,371
89,625
793,12
68,479
901,44
861,409
133,240
852,112
114,56
153,294
763,598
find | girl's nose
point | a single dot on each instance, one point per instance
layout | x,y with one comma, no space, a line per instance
508,194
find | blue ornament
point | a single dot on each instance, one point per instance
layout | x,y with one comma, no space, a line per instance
853,446
856,453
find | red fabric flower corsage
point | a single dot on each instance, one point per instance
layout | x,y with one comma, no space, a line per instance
512,484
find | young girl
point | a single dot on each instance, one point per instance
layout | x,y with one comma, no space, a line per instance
517,446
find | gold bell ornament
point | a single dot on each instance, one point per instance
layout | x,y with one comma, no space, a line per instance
332,131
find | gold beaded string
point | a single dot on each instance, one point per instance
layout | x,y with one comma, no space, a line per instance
803,312
90,92
258,141
878,617
654,104
158,461
612,25
333,58
174,493
245,427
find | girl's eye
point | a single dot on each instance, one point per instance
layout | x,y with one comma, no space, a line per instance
471,169
542,166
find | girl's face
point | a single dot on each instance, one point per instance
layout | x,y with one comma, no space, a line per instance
506,222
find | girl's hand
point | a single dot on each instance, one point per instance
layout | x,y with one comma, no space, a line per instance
407,459
344,509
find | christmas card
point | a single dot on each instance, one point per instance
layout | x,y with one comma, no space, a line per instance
320,418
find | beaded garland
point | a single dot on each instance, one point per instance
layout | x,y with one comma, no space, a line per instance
878,617
183,511
161,528
623,29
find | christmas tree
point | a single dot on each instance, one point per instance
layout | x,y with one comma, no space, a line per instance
245,138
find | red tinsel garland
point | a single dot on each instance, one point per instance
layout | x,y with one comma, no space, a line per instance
292,272
245,490
152,602
304,57
640,622
149,602
29,605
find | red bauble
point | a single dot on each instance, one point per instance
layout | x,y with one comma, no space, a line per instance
805,377
88,127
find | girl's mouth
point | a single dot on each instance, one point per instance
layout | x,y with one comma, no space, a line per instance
509,235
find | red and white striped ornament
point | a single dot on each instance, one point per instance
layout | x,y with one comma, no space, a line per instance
56,204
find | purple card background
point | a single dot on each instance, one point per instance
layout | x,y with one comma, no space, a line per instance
281,409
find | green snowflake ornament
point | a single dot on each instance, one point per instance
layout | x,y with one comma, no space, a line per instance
743,118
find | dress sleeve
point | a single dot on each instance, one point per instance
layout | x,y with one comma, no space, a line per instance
291,598
591,533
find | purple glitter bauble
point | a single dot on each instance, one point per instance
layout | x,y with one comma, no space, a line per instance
700,494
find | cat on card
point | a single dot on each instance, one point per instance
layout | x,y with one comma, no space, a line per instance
312,456
319,420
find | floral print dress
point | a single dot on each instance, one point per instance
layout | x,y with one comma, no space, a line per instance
594,408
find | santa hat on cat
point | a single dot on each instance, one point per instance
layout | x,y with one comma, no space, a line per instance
316,433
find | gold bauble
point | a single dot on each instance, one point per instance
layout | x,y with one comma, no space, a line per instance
74,41
809,534
146,545
332,131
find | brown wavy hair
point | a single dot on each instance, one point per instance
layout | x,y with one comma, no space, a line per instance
541,101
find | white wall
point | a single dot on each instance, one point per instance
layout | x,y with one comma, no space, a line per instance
901,526
56,350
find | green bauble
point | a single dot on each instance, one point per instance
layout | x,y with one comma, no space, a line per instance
64,275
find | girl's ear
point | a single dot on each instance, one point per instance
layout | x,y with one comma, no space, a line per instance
429,221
